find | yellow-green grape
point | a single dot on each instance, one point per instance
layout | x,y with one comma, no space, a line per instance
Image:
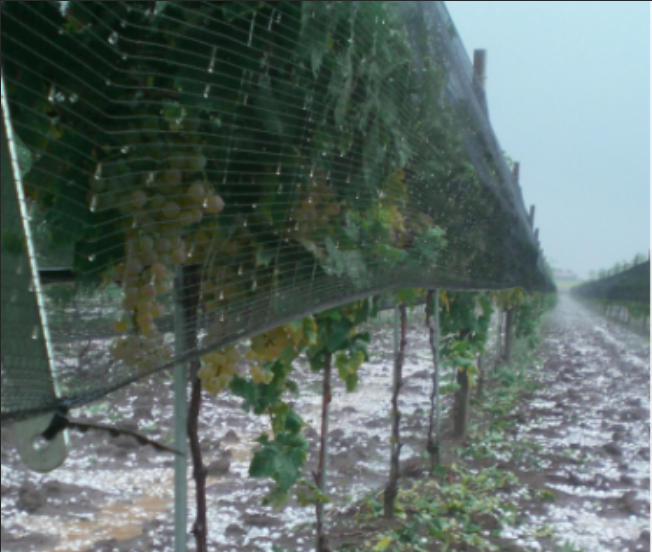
144,318
163,245
145,243
144,305
129,303
225,379
133,267
158,271
147,292
177,162
178,256
214,204
170,229
121,325
172,177
260,376
138,199
163,287
185,218
212,385
206,372
156,203
232,355
196,216
147,327
197,192
196,163
157,310
170,210
148,258
258,344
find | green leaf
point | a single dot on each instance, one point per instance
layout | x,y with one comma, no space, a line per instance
382,544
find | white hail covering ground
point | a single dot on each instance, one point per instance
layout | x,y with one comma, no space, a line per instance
136,491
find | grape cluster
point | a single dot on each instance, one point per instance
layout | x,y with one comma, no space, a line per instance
158,215
218,369
267,347
314,209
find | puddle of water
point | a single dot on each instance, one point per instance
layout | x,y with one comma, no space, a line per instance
112,521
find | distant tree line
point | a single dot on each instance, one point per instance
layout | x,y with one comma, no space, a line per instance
619,267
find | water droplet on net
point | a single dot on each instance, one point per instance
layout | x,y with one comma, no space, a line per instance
244,224
278,169
123,24
93,204
240,270
19,268
254,285
30,288
113,38
73,98
124,149
211,63
36,332
221,295
251,29
91,258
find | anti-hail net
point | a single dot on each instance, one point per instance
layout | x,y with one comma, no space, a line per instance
632,286
272,159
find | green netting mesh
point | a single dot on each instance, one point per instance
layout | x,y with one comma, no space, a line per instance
631,285
277,157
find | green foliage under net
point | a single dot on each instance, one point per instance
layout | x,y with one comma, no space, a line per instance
303,155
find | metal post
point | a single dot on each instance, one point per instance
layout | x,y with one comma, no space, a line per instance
180,417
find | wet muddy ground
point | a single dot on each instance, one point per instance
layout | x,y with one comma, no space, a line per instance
590,416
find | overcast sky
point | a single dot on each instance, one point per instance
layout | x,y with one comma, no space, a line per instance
569,97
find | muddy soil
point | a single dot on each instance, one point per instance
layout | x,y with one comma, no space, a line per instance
590,414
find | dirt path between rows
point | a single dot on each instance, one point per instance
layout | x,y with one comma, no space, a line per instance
590,416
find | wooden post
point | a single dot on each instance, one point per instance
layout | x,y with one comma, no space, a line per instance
480,67
481,375
434,425
462,401
480,76
391,491
322,540
180,421
191,277
531,216
509,332
516,172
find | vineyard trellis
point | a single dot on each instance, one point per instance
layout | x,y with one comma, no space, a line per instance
215,172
